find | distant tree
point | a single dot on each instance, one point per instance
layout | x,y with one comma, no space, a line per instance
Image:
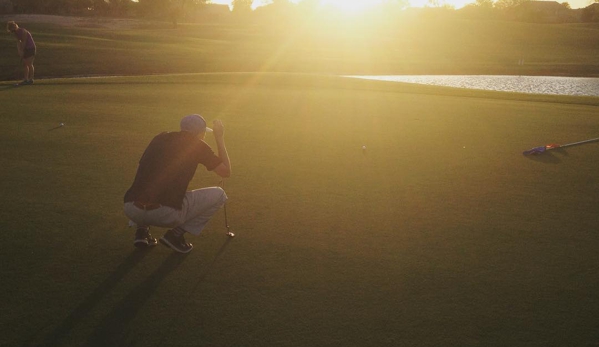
51,6
99,7
276,10
484,3
590,13
118,8
27,6
6,7
481,9
78,6
566,5
242,6
439,4
153,8
509,4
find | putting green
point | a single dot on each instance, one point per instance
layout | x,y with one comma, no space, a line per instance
439,233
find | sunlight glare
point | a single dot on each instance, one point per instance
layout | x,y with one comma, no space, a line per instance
354,6
351,6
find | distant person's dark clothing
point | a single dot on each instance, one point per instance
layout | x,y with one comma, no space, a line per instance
24,35
29,48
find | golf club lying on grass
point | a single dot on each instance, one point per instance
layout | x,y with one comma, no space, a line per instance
543,149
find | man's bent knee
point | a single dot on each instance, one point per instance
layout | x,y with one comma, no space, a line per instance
218,196
223,196
212,196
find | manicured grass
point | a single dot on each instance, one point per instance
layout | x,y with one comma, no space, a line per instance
404,46
440,234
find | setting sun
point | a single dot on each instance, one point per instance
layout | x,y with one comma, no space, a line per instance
354,6
341,5
351,6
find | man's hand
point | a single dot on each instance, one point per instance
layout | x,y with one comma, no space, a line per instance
224,169
218,128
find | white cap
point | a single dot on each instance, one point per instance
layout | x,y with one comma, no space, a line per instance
195,124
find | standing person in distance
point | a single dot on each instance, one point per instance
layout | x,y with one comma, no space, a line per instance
159,196
26,49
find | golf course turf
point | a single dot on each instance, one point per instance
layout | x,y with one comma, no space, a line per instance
439,233
367,213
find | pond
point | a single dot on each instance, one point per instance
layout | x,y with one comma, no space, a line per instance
585,86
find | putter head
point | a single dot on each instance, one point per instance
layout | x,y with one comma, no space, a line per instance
230,234
535,151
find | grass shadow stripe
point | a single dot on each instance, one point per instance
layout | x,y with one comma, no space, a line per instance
200,280
56,337
113,330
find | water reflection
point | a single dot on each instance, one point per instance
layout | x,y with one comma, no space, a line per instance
586,86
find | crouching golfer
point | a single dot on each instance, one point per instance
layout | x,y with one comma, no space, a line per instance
159,196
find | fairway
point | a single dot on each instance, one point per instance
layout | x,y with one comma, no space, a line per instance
438,233
405,46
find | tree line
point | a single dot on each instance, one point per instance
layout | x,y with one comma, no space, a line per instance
188,10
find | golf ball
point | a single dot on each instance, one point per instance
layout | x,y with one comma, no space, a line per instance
61,124
363,147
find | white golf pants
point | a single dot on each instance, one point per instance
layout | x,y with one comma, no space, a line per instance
198,207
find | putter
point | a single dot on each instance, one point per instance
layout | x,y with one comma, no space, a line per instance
229,233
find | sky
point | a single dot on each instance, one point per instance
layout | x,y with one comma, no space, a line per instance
357,5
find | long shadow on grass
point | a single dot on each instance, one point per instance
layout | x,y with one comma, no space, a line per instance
6,87
63,330
548,157
179,310
55,128
113,330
